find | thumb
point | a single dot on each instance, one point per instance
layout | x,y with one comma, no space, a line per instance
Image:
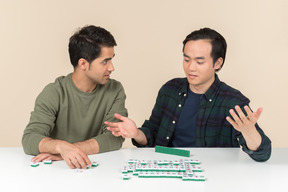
258,112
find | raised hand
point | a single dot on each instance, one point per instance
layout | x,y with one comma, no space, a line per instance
241,122
126,128
246,125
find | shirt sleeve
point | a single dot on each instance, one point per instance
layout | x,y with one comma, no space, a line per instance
263,152
150,127
41,121
107,141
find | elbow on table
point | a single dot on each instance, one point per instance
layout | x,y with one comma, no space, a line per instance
262,157
29,146
109,145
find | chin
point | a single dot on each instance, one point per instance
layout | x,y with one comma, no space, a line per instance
192,82
104,82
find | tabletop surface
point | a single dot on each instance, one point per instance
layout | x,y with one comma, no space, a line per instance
225,169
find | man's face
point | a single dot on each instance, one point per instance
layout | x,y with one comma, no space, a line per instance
198,65
100,68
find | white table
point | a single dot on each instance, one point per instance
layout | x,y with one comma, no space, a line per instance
226,169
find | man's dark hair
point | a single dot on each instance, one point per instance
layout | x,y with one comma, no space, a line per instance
218,42
87,42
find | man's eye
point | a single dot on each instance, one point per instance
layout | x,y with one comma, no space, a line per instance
200,63
105,62
187,61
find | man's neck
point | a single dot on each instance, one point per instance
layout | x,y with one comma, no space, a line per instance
82,83
202,88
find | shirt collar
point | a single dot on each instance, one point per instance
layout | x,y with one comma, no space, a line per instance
210,93
185,87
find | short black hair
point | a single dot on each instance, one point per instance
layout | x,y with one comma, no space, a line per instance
218,42
87,42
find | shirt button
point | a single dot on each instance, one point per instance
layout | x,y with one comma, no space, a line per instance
210,100
167,138
179,93
173,122
180,105
185,95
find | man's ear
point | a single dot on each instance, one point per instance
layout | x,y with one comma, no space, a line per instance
218,63
83,64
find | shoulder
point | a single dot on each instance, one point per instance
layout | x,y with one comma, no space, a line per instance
58,84
174,84
112,88
172,89
113,85
53,90
231,95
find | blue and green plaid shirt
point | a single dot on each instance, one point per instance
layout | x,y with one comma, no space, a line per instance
212,128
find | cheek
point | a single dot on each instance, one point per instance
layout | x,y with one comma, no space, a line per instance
185,67
205,68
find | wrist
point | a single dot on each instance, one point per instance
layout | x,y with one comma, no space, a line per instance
252,138
250,132
137,134
59,144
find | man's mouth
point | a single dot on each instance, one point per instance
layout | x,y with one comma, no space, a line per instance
192,76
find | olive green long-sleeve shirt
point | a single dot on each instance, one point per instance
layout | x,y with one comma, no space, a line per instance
64,112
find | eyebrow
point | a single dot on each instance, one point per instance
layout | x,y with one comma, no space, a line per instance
197,58
186,55
107,59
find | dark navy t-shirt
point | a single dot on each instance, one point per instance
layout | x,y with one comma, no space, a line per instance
184,135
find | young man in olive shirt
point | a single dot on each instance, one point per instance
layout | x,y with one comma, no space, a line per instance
68,118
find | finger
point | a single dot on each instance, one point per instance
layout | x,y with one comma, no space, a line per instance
258,112
40,157
47,157
35,159
120,117
248,110
125,136
110,124
81,162
235,116
75,162
116,133
249,113
53,157
253,116
242,116
69,163
86,160
56,158
232,122
113,129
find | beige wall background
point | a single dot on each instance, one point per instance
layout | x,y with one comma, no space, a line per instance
34,40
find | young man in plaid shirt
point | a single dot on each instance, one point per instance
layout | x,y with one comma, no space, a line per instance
199,110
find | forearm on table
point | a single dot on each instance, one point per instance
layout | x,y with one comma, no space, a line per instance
54,146
49,145
89,147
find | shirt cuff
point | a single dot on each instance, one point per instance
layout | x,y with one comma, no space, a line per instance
108,142
263,152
